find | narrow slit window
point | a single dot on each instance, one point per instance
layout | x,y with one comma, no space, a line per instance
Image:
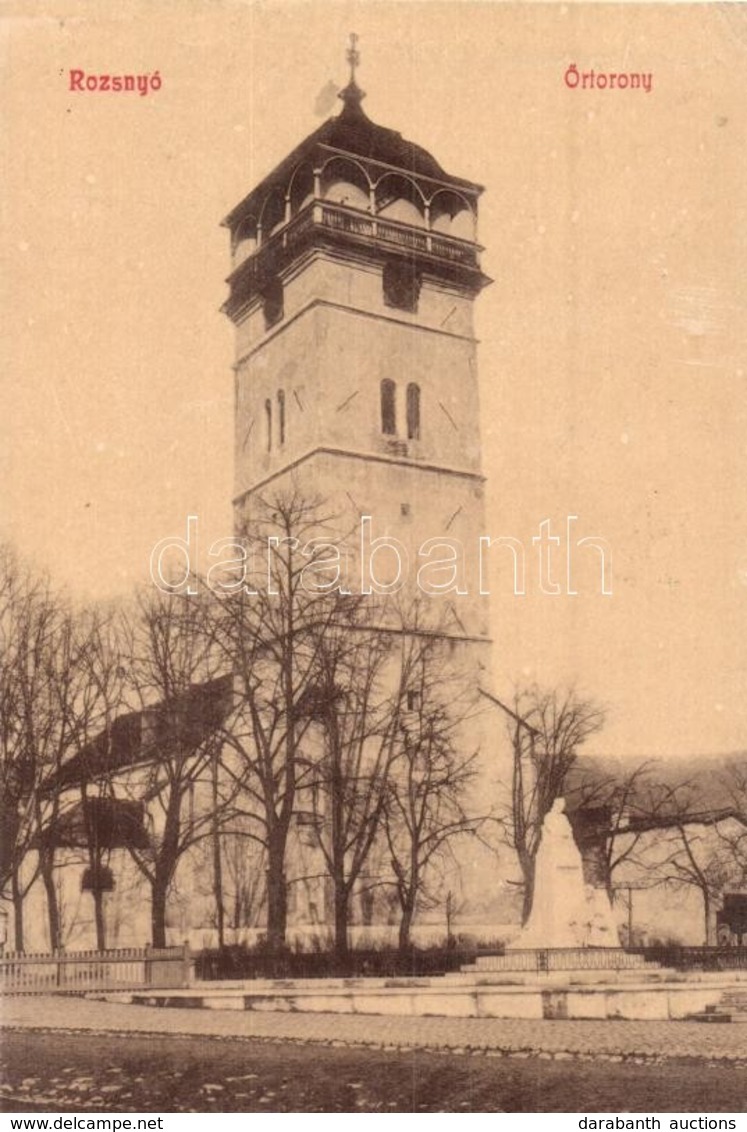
281,415
388,408
413,411
268,423
413,699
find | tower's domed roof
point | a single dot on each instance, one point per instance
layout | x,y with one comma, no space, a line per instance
352,132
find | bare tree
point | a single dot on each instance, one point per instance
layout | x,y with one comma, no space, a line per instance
271,628
62,715
732,828
427,792
103,685
692,845
546,729
686,834
695,858
245,873
615,813
242,886
47,704
182,696
358,701
665,830
27,616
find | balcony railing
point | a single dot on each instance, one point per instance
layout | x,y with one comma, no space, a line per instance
325,216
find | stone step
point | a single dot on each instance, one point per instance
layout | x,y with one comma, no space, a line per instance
735,1004
709,1016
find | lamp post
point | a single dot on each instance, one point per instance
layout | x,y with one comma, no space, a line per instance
629,887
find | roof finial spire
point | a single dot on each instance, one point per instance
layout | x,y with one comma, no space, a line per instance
353,55
352,95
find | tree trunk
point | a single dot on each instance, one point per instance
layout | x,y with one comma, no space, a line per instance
707,917
17,913
450,909
277,900
46,863
217,864
527,868
159,891
98,907
337,845
408,895
405,924
166,862
341,918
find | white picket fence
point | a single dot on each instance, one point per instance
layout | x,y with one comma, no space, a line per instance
95,970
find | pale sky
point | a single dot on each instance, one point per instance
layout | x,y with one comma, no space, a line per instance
612,355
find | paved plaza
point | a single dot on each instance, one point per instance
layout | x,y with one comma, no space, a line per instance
619,1040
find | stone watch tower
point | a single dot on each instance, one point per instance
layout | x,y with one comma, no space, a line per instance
355,266
354,269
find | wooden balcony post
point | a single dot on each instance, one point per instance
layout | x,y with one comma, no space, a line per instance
186,965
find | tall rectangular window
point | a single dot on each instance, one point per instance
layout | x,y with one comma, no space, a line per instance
413,411
388,407
268,423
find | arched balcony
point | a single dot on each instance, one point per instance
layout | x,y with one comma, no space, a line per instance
452,215
272,216
245,240
332,197
400,199
345,182
394,197
301,188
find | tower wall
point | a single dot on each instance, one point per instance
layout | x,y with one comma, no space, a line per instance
335,344
410,503
353,302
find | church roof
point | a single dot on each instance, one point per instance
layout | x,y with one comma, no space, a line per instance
138,737
703,787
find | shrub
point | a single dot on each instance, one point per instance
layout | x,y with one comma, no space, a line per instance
258,962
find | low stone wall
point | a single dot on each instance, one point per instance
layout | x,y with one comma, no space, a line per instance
439,997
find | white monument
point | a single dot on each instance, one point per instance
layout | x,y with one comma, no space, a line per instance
566,912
